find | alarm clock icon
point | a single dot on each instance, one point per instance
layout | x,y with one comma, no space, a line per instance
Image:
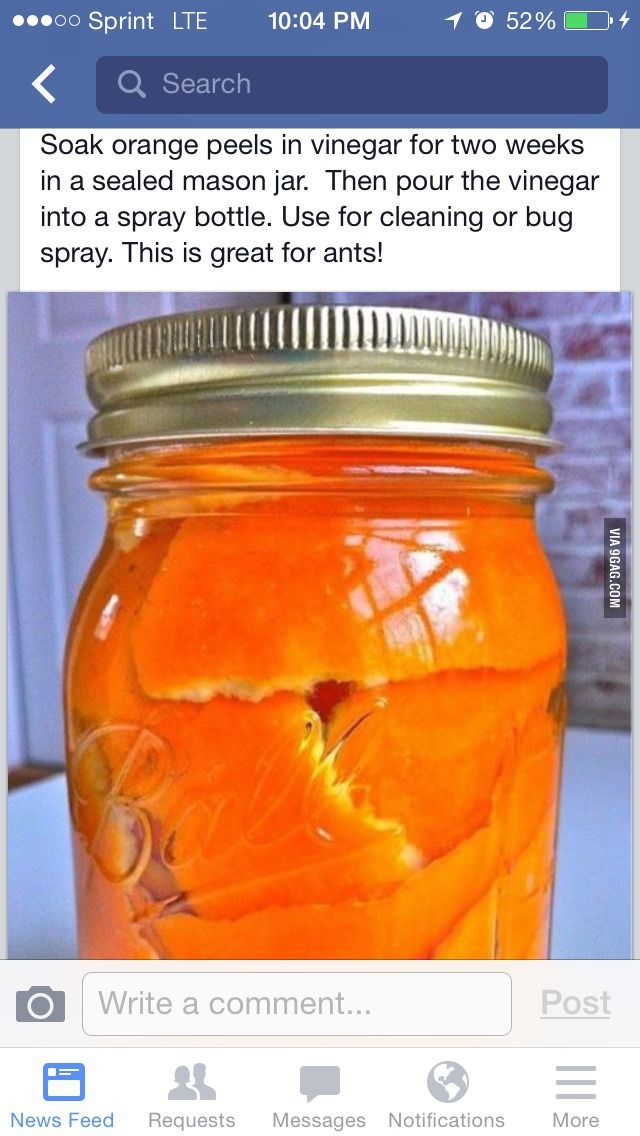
484,20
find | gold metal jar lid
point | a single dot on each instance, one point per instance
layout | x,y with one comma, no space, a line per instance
318,369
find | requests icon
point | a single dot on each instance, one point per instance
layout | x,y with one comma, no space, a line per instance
63,1082
191,1084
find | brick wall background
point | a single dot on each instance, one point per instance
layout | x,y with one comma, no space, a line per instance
591,393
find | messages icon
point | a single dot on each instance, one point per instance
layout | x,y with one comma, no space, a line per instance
319,1081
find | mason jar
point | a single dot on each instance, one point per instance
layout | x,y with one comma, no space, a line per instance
314,681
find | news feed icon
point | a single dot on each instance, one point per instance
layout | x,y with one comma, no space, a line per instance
63,1082
40,1004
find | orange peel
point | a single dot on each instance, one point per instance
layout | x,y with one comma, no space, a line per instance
366,602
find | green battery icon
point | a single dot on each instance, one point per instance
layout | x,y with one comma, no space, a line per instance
587,21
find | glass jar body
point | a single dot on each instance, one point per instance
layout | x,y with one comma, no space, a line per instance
314,705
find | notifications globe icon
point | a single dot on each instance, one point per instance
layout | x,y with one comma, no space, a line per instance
448,1082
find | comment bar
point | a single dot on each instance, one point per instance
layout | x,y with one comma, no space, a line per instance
389,85
414,1004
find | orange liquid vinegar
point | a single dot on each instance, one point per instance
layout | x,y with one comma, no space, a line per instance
315,704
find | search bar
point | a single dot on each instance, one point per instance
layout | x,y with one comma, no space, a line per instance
297,1005
271,85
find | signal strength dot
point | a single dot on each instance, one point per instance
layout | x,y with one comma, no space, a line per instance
32,21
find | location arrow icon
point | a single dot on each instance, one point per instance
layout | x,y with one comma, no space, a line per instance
38,83
455,19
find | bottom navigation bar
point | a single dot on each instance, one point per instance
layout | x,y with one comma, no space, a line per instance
258,1091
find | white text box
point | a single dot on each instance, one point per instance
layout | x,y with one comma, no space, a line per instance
394,208
297,1005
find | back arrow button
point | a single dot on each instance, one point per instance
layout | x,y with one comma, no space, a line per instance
38,83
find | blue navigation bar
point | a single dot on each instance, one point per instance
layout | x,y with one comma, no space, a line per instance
423,63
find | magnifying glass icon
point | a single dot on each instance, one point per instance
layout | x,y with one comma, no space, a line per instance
130,83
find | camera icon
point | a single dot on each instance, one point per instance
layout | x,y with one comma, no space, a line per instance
40,1004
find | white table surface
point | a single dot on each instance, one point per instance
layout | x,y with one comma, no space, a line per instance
592,908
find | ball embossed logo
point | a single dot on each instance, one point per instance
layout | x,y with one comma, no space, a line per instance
142,816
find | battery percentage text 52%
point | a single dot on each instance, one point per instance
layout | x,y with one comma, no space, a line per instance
530,21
